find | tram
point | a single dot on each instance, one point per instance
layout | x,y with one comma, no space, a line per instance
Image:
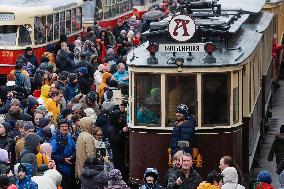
221,67
277,7
106,12
35,24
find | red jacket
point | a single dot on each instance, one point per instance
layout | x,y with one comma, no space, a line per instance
263,185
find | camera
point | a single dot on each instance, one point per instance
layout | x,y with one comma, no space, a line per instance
183,144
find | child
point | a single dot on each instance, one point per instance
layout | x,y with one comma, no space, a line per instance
150,179
23,179
264,180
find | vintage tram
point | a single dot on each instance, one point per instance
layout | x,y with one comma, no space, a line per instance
106,12
223,72
35,24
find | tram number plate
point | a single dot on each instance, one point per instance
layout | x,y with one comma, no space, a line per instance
185,47
7,54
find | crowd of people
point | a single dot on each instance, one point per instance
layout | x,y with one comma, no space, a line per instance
60,126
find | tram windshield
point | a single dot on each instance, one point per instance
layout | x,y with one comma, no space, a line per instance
148,99
179,90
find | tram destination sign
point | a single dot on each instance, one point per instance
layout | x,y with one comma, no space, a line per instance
185,47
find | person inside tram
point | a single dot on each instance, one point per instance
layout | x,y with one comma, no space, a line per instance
146,116
24,35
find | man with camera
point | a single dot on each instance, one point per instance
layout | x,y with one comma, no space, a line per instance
183,130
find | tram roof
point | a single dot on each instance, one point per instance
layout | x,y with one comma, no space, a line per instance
241,45
245,5
37,3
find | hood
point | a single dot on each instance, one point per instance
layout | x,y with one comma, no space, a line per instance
62,54
45,90
230,175
28,166
86,124
105,76
54,175
87,172
31,143
32,101
206,185
43,122
4,156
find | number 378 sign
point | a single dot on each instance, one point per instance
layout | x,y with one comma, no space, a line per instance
181,28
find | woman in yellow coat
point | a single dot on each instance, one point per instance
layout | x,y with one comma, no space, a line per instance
213,181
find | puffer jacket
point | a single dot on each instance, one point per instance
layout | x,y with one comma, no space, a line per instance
206,185
85,143
263,185
185,132
27,183
63,62
94,177
72,89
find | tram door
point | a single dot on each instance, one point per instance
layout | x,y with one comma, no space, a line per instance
89,10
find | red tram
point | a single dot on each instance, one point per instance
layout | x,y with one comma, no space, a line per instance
35,24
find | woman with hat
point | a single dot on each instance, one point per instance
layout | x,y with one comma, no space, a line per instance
183,130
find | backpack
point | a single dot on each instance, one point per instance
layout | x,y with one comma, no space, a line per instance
19,79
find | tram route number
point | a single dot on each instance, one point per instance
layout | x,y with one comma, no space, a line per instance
196,157
184,47
7,54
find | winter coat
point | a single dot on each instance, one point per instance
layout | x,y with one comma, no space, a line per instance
26,183
4,109
53,107
119,76
103,84
62,147
207,185
190,182
28,154
104,123
277,148
85,84
88,65
172,170
20,143
43,94
85,144
32,59
263,185
154,186
64,62
71,91
6,143
94,177
50,179
184,132
230,179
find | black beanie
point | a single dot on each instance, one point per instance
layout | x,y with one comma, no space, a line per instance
4,181
31,142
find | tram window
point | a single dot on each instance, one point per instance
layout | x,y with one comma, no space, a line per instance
114,10
179,90
68,22
215,99
137,2
62,23
98,12
73,15
56,26
79,18
24,35
107,12
49,28
8,35
236,97
147,99
40,30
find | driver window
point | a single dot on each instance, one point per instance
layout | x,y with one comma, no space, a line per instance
24,35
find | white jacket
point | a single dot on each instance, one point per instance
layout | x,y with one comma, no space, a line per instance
232,186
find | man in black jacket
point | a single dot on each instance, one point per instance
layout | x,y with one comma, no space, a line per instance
187,177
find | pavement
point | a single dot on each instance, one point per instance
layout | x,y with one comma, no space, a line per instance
273,126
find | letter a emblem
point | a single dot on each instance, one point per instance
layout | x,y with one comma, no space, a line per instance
182,28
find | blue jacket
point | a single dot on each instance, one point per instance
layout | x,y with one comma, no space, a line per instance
27,183
119,76
62,147
184,132
71,91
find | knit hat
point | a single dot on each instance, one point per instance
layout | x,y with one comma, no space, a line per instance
47,133
50,48
66,112
72,77
183,109
42,108
46,148
22,168
28,125
264,176
49,68
114,175
4,156
15,102
43,122
110,51
83,70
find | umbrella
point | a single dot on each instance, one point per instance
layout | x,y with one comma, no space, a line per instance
152,15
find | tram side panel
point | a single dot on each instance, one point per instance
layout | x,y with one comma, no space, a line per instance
149,149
